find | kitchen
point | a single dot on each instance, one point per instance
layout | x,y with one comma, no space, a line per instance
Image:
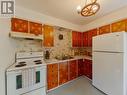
69,46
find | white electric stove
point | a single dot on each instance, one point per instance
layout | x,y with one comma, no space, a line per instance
27,76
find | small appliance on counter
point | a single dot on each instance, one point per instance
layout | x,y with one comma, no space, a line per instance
28,75
47,54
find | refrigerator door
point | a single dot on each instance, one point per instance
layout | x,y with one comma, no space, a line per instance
108,72
113,42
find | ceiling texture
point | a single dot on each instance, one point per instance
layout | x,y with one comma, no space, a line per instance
66,9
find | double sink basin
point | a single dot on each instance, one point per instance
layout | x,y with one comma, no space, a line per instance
64,57
59,59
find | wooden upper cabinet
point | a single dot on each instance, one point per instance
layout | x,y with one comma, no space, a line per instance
48,32
91,34
35,28
52,75
119,26
74,43
19,25
104,29
73,70
63,72
80,41
89,38
85,39
76,39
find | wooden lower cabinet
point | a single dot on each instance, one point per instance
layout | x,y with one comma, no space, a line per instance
52,75
88,68
73,72
80,67
60,73
63,72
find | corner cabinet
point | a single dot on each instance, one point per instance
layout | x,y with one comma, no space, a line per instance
48,32
76,39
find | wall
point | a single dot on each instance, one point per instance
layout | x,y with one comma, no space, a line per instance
107,19
7,51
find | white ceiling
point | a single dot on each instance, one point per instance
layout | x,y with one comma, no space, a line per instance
66,9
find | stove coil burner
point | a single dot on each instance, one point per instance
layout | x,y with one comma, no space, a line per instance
21,64
38,62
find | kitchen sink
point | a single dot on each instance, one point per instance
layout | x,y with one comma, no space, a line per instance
64,57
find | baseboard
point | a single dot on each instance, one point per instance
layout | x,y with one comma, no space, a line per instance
87,78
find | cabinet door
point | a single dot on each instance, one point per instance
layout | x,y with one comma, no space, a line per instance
73,70
91,34
89,38
88,68
52,76
63,72
35,28
48,36
73,39
104,29
85,64
80,39
85,39
19,25
76,39
80,67
118,26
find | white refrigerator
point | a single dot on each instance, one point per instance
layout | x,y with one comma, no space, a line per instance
110,63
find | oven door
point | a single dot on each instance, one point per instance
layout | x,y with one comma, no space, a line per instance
14,82
40,77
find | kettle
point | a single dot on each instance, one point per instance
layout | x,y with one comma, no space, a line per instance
47,54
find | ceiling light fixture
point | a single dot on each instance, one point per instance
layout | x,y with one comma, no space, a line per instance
91,7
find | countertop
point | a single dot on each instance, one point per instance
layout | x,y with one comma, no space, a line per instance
52,61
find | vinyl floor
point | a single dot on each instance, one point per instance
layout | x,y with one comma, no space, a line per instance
80,86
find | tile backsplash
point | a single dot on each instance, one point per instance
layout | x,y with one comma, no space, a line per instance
24,45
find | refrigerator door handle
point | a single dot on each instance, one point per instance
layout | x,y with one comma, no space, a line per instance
108,52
